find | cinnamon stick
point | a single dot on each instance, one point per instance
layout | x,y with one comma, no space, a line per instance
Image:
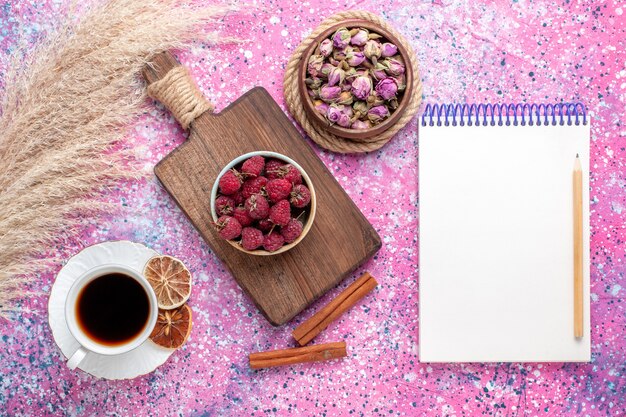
311,353
308,330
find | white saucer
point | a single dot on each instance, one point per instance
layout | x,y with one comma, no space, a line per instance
142,360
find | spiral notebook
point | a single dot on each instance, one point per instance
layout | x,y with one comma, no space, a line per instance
496,233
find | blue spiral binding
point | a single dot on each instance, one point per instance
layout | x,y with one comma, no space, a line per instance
492,114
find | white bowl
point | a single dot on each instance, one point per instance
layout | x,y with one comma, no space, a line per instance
310,210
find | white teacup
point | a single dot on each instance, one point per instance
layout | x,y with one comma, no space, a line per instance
88,344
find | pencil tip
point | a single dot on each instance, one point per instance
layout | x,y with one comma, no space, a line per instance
576,155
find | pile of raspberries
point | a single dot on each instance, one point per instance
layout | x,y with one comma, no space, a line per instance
261,201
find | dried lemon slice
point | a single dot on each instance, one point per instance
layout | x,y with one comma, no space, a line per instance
172,328
170,280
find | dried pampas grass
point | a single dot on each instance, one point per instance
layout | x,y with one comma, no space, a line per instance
64,106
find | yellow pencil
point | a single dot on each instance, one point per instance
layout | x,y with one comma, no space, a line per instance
578,248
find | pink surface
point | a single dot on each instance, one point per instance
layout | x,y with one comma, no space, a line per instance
469,51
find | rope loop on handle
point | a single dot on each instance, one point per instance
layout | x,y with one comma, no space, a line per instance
178,92
321,136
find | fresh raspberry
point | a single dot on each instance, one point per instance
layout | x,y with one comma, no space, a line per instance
251,238
238,198
280,213
273,241
277,169
265,225
272,168
300,196
254,166
257,206
291,174
242,216
278,189
291,231
230,182
224,205
228,227
253,186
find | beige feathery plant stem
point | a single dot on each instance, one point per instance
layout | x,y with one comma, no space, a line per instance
64,105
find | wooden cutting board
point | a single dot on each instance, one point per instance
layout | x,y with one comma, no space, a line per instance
340,240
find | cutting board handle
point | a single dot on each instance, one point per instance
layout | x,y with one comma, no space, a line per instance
171,84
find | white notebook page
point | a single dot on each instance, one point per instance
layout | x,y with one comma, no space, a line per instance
496,243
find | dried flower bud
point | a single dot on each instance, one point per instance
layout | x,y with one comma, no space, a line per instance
387,88
345,98
360,124
393,103
321,107
329,94
340,54
393,66
351,74
347,111
378,72
344,121
334,113
346,116
378,102
377,114
346,86
340,115
388,49
326,48
373,50
313,83
341,38
401,81
336,76
375,100
374,36
362,87
354,59
314,94
315,65
360,107
333,61
326,69
359,37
